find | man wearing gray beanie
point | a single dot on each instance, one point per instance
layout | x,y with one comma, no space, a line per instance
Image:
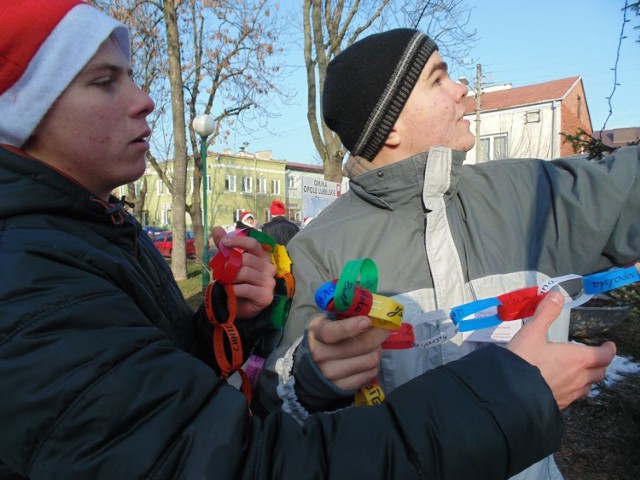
441,233
376,100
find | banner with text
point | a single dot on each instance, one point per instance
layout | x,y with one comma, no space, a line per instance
317,194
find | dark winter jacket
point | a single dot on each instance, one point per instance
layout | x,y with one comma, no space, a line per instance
101,373
281,229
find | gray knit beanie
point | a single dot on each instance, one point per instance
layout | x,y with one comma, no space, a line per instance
368,84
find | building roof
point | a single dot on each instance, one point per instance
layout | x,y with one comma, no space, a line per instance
521,96
306,167
618,137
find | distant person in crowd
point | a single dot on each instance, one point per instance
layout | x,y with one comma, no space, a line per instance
246,220
281,229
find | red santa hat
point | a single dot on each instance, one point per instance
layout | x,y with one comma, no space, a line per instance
277,208
244,215
43,46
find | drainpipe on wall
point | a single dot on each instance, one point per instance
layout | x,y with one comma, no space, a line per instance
478,105
553,130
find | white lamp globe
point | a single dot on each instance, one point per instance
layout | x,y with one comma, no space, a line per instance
203,125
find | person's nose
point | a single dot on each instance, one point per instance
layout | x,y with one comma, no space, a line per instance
141,103
461,91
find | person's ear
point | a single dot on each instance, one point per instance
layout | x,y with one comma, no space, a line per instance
393,140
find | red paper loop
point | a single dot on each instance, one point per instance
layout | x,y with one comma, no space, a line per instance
225,269
519,304
360,305
400,339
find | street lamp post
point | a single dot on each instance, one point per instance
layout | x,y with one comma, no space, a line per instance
255,187
204,126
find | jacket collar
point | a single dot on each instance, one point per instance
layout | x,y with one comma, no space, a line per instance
407,181
32,188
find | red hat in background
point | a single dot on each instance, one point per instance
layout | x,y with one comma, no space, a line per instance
277,208
245,214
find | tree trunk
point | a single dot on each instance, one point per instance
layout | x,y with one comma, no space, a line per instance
138,200
195,211
178,194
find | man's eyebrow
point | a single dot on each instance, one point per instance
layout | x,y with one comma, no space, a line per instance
439,67
97,67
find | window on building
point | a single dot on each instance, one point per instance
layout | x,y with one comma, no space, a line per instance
275,187
165,214
482,150
291,182
493,147
262,185
533,116
236,214
159,187
500,147
230,183
208,183
247,184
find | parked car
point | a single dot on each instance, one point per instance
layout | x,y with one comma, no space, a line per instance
164,243
152,231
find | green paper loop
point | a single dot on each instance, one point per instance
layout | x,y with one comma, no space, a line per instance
363,268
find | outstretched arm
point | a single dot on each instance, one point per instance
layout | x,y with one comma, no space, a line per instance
347,352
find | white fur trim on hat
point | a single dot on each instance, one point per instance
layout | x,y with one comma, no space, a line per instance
64,53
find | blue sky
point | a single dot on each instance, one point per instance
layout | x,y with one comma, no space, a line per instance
521,43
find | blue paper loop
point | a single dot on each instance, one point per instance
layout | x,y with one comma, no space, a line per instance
610,280
459,314
325,294
479,323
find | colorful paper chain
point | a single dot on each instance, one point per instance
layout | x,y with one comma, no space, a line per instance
520,304
225,266
347,296
352,294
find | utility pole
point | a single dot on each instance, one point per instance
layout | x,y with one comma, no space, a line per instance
478,106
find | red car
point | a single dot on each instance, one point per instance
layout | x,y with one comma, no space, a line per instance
164,243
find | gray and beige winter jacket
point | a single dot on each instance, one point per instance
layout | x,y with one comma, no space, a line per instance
443,234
